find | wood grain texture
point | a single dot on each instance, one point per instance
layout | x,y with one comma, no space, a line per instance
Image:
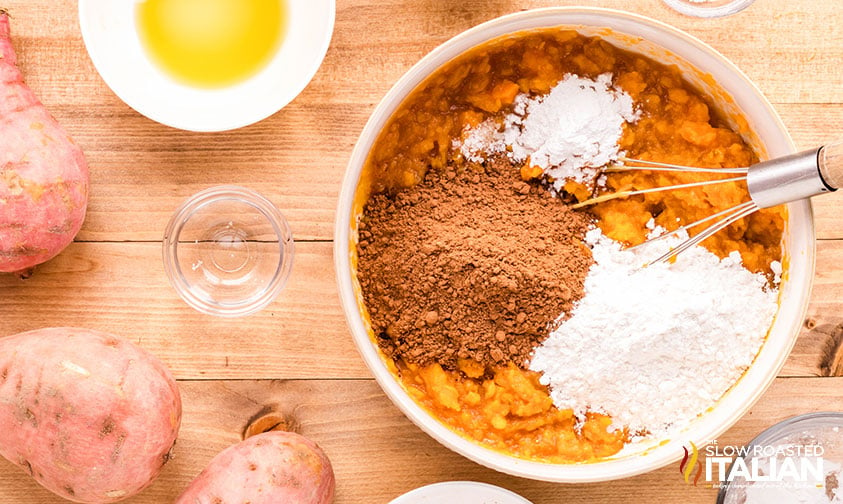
298,156
301,335
378,454
271,157
298,353
122,288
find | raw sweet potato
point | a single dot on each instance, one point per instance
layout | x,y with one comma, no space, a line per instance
270,468
43,174
92,417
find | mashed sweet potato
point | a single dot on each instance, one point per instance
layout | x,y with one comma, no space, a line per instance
506,408
510,412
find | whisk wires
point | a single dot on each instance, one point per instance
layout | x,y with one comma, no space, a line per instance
642,164
639,164
730,216
721,219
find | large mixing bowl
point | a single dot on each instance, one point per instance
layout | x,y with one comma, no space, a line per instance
709,71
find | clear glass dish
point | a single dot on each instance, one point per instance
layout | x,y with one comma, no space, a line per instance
228,251
815,438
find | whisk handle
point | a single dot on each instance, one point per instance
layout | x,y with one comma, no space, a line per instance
830,162
790,178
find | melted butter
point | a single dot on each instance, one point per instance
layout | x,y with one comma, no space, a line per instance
211,43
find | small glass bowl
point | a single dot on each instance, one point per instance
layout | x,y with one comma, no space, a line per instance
823,429
228,251
708,8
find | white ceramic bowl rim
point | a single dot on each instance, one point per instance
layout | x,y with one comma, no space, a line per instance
110,35
799,239
463,492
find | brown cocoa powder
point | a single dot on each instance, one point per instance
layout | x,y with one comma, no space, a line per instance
470,264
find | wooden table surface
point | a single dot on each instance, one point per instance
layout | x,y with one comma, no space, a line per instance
297,355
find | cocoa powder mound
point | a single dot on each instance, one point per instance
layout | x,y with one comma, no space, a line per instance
472,264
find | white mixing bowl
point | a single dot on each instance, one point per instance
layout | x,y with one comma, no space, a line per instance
709,71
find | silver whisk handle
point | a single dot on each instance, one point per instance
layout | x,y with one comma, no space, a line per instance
796,177
831,164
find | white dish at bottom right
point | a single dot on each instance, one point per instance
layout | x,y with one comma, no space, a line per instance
460,492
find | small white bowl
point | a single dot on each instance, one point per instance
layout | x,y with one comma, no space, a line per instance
460,492
707,70
109,29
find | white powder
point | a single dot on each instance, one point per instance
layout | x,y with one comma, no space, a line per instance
573,131
481,141
570,133
655,347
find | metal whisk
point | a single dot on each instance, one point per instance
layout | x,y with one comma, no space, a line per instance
770,183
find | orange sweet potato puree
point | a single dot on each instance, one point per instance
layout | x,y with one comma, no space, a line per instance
677,127
506,408
511,412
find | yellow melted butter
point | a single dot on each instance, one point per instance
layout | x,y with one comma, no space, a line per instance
211,43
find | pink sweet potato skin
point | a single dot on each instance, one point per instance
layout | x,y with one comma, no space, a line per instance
92,417
43,173
270,468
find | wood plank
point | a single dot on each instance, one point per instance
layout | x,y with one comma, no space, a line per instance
378,454
819,348
812,126
791,49
122,288
302,179
142,171
296,158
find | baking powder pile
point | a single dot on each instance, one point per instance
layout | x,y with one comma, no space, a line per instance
654,347
571,132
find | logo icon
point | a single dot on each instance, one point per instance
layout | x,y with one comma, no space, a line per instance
689,461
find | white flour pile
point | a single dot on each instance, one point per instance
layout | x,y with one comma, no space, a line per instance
655,347
570,133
